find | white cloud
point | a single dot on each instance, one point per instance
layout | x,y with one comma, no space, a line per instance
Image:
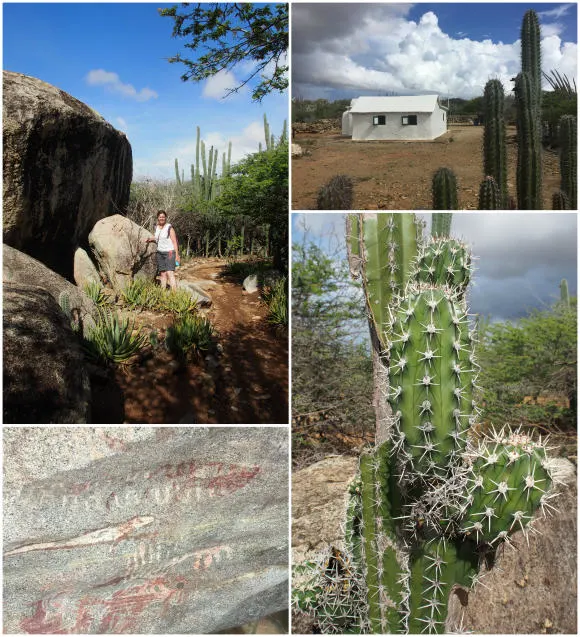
557,12
407,56
112,83
217,86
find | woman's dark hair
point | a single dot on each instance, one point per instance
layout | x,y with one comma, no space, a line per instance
161,212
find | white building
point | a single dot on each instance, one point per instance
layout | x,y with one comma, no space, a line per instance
413,117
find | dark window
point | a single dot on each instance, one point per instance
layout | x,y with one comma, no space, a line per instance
409,120
379,120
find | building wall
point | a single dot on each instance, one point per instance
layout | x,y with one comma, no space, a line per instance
429,126
347,124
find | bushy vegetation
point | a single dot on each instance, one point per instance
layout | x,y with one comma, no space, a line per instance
276,298
113,339
529,369
190,333
144,294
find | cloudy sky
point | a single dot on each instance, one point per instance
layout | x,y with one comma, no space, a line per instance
345,50
113,56
520,257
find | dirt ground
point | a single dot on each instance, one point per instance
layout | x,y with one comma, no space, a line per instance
244,381
397,175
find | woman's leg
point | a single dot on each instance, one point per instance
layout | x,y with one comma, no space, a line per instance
171,278
163,280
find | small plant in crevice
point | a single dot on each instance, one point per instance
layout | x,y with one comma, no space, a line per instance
94,290
113,339
190,333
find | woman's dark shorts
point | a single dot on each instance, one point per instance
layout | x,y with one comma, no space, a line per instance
166,261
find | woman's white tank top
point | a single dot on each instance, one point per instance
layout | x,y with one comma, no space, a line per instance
164,243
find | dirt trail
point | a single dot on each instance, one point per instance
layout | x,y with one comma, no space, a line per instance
244,383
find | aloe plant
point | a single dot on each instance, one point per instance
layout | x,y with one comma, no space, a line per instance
189,333
432,499
113,339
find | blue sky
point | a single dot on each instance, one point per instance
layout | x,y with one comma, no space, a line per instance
451,49
520,258
113,57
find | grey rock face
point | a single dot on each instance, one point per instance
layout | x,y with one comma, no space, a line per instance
65,168
121,252
152,530
21,268
531,590
45,380
84,270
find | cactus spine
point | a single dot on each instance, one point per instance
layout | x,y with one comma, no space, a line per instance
494,143
444,190
569,158
430,501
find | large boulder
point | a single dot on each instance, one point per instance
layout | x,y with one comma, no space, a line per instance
144,530
532,589
65,168
120,249
84,271
21,268
44,375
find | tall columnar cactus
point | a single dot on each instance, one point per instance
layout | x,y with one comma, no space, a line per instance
568,135
531,54
489,195
432,499
494,138
529,167
564,293
444,190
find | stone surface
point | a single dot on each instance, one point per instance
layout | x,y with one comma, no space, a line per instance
65,168
119,247
250,283
84,270
318,504
21,268
144,530
531,590
196,292
45,380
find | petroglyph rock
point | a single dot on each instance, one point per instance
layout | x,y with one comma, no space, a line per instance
153,530
65,168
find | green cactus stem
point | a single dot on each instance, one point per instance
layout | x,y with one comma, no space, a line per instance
531,55
560,201
564,294
568,135
489,195
441,224
444,190
529,167
494,141
445,262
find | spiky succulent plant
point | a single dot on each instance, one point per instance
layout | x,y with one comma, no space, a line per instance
433,497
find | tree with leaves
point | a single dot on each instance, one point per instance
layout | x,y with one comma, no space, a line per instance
222,35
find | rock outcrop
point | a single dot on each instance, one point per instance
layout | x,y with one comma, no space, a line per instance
532,589
144,530
84,270
44,375
118,245
65,168
23,269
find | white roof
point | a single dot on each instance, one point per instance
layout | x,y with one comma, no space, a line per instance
397,104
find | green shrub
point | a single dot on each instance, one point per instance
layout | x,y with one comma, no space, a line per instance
189,332
276,298
141,293
113,339
177,301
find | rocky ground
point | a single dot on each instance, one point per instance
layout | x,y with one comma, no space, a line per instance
397,175
243,380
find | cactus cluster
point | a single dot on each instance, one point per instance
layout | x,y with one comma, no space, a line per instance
493,193
336,194
432,498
